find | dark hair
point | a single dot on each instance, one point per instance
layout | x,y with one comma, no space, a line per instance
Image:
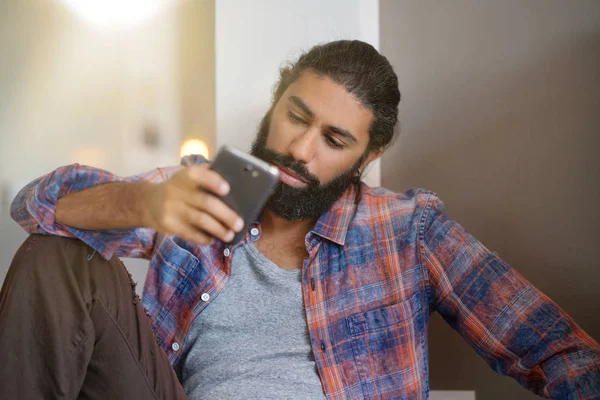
365,73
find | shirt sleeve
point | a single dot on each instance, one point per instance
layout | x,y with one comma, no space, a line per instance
517,329
34,208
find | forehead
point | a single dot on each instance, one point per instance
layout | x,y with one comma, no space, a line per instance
331,104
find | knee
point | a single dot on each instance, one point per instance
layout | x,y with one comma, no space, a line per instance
48,251
45,260
49,246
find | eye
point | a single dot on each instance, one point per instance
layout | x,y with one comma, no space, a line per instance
296,119
331,142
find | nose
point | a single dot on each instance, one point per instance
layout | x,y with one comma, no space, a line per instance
302,147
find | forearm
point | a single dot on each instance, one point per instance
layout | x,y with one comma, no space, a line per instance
516,328
574,371
118,205
89,214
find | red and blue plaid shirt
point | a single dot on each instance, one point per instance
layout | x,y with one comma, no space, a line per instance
375,270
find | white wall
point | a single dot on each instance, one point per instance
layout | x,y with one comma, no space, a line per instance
255,38
71,92
61,86
57,96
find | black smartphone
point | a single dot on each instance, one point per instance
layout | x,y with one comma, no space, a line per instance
251,180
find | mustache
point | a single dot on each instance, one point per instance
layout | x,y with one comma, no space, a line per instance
289,162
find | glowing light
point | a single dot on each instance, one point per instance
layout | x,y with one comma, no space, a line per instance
115,14
194,146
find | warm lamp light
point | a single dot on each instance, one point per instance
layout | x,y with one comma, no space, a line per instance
114,14
194,146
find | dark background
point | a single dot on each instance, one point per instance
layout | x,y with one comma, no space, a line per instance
501,117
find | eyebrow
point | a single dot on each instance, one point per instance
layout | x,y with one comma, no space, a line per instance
342,132
298,101
337,130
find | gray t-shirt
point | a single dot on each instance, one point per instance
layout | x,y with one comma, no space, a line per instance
252,341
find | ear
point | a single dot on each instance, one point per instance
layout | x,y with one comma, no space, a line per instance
374,155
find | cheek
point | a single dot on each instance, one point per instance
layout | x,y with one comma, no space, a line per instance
332,167
327,163
277,137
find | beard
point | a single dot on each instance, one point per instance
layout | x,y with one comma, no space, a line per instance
311,201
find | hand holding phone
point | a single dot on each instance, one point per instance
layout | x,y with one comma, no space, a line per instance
177,206
251,180
203,202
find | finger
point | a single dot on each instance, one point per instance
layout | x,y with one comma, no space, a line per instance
178,225
203,176
217,209
209,225
191,234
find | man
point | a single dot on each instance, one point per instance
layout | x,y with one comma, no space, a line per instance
328,295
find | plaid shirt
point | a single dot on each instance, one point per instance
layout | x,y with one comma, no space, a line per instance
376,269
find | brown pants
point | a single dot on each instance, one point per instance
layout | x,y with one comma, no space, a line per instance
72,327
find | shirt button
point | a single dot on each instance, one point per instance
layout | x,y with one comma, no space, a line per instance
312,283
323,347
226,252
175,346
205,297
254,231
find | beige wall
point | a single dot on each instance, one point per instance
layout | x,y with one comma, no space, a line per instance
501,116
56,97
74,92
197,84
60,89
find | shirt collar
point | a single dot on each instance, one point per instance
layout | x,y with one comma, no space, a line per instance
333,224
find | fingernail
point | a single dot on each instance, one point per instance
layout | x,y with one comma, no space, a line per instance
229,236
224,188
239,224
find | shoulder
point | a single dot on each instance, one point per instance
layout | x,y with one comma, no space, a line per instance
398,213
384,203
382,214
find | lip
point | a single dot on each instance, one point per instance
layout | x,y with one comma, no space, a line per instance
289,177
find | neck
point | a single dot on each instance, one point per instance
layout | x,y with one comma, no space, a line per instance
274,225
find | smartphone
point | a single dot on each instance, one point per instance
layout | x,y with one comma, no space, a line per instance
251,180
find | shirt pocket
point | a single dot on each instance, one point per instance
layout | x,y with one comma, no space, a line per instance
169,270
389,350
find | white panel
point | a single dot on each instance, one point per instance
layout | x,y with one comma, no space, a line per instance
253,40
369,32
452,395
369,21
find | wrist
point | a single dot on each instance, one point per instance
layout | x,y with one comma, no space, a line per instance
145,192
